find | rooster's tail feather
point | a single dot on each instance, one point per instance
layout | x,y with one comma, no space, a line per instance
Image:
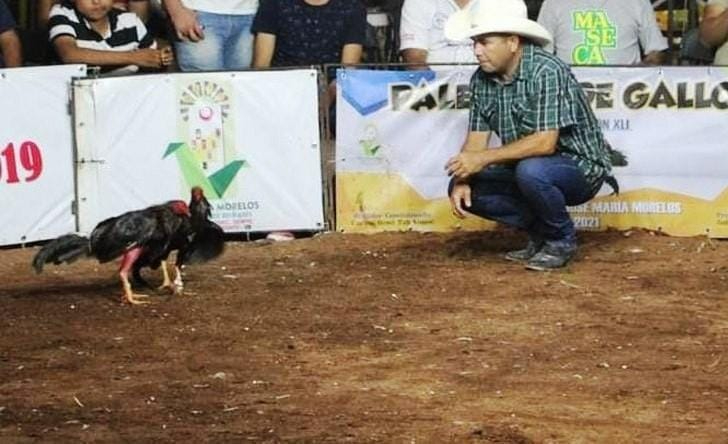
208,243
66,249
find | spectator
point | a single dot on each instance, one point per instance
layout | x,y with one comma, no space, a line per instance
421,35
309,32
603,32
714,29
212,35
138,7
11,53
95,33
553,153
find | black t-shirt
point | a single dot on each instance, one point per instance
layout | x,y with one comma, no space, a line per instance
310,35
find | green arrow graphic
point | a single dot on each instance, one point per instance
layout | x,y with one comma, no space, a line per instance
214,185
222,178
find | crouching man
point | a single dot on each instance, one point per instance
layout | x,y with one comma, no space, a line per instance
553,152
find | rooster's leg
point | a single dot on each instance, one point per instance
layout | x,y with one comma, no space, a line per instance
127,261
166,281
174,287
178,284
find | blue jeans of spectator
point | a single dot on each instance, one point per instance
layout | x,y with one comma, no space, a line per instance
228,44
532,196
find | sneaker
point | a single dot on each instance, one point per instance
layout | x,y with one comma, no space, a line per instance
527,253
553,255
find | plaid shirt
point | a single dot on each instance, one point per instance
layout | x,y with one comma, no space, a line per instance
543,95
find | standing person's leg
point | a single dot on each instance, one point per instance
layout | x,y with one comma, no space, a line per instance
548,185
238,51
206,54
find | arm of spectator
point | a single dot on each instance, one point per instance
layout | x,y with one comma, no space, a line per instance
43,11
654,58
69,52
415,57
414,31
184,21
651,39
351,54
265,45
10,49
714,27
142,8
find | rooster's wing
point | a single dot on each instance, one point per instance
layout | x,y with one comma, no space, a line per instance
115,235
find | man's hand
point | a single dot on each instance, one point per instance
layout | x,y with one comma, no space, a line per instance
460,195
153,58
186,25
466,164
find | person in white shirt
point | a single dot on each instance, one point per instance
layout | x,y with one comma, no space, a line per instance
422,37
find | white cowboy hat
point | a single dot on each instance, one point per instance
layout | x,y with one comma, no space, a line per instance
495,16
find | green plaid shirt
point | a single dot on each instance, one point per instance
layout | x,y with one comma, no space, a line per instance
543,95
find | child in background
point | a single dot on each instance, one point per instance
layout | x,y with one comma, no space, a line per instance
95,33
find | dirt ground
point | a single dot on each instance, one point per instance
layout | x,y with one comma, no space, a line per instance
404,338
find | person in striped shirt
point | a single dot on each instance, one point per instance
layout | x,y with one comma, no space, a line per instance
141,8
553,154
95,33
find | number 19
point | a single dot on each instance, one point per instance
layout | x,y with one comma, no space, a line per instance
30,160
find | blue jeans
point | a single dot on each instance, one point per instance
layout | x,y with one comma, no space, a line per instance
228,44
532,196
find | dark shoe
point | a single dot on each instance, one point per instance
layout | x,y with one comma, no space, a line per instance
553,255
527,253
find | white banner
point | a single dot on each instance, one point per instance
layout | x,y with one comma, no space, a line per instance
668,127
671,123
250,139
36,153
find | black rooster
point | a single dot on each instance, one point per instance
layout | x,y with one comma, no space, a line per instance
145,238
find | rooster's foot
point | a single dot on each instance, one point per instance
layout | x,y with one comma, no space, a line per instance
134,299
171,289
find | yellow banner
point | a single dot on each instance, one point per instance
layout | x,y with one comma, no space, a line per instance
371,203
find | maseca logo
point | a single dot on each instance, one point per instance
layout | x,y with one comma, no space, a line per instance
207,155
599,33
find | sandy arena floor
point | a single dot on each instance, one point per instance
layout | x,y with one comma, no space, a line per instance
404,338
